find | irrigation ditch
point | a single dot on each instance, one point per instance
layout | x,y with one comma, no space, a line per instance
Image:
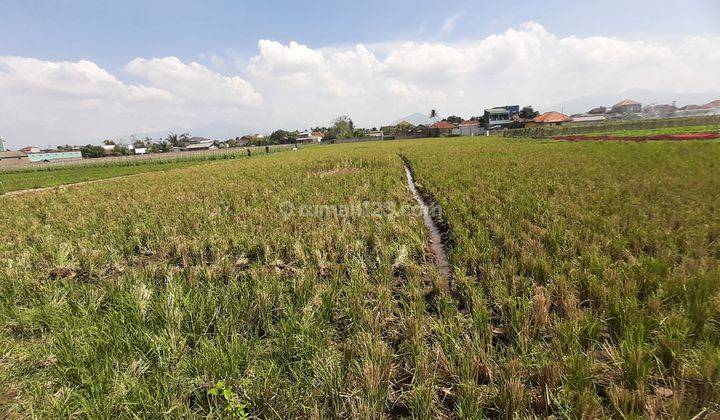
438,244
440,238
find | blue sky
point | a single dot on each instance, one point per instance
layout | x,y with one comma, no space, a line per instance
79,71
113,32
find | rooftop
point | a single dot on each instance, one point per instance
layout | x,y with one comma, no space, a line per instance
497,111
12,154
626,102
551,117
443,125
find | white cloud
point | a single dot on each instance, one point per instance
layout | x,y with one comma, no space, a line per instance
44,102
521,65
293,85
194,82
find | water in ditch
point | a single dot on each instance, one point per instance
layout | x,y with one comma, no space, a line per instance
435,238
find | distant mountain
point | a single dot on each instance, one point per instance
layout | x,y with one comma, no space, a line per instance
415,119
644,96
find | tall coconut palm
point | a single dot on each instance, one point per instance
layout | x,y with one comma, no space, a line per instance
433,115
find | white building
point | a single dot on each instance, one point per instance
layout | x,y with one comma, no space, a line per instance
308,137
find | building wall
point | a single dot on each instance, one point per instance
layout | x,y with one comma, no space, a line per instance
472,130
14,161
55,156
628,108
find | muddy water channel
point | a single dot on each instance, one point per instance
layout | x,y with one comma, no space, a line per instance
435,236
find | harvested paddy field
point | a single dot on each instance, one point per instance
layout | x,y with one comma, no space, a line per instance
582,279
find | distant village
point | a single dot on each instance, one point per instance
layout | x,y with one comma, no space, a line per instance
342,130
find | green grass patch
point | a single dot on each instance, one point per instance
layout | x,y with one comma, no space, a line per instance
41,176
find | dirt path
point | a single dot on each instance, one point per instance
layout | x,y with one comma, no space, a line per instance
66,186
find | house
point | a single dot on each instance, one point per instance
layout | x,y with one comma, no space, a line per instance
379,134
628,106
659,110
388,130
585,118
13,158
250,138
204,145
442,128
496,117
108,148
421,130
310,137
55,156
30,149
469,128
139,150
550,118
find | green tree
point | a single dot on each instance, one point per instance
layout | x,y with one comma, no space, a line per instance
175,140
90,151
120,150
161,146
172,138
108,142
528,113
454,119
184,139
343,127
279,137
403,126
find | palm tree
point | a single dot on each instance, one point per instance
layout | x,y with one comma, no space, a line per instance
172,138
433,115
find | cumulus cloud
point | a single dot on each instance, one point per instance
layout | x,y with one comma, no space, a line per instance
523,65
194,82
82,79
295,85
45,102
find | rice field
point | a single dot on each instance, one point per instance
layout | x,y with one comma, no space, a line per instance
584,282
53,175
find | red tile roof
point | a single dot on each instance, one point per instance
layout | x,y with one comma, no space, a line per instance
713,104
551,117
318,133
443,125
469,122
626,102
